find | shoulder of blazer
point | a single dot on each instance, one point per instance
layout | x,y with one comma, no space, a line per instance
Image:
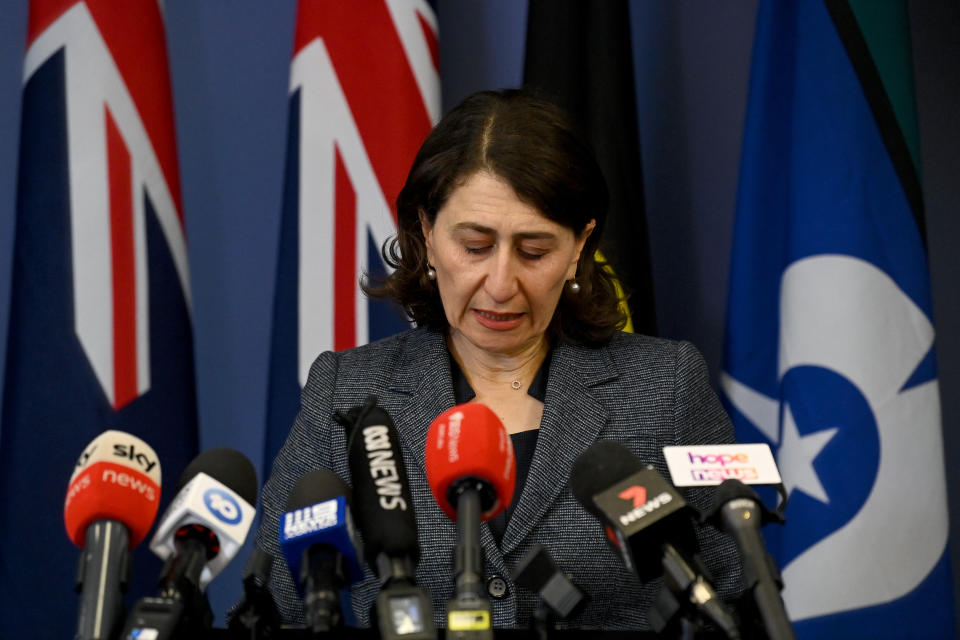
628,356
397,363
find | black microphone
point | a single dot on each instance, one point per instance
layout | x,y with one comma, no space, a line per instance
739,512
201,532
563,599
383,506
256,617
650,525
317,538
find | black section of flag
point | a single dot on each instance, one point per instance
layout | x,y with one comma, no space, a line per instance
580,55
893,137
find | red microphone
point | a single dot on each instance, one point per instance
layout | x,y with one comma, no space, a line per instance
112,500
468,444
472,471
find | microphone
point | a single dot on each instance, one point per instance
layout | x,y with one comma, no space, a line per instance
256,616
739,512
642,512
318,540
383,505
472,471
537,572
112,500
200,533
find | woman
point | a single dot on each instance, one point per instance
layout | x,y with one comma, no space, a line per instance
494,261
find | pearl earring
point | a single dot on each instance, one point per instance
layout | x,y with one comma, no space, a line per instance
574,287
431,273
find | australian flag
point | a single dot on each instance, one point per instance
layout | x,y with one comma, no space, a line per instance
100,331
364,94
830,341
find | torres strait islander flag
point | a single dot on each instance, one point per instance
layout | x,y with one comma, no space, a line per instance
100,332
830,337
364,94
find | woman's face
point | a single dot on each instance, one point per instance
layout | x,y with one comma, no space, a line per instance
501,265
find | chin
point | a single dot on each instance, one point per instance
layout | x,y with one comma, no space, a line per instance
500,344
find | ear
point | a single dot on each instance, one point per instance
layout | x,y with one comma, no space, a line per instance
580,241
427,230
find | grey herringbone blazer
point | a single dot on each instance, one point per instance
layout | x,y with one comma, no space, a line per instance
642,392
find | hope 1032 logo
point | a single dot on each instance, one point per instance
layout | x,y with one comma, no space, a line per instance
701,465
222,505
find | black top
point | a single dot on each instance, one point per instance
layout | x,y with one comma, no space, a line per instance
524,442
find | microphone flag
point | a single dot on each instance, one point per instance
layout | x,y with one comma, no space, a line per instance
829,353
364,94
100,330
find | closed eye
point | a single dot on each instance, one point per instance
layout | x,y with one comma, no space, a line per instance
530,255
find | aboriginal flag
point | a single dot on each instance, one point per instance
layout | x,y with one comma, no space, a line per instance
100,332
364,94
579,54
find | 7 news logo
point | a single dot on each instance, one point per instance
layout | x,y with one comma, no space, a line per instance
640,506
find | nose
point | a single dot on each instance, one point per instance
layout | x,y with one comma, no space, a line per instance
501,282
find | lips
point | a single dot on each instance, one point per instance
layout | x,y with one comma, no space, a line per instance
498,316
498,321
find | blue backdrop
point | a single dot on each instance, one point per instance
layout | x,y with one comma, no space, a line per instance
230,65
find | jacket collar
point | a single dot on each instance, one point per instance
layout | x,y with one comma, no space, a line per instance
572,417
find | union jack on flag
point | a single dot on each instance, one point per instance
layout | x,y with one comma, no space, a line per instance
364,94
100,331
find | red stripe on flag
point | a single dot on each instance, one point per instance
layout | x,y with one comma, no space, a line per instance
372,67
345,259
134,34
135,37
431,38
124,271
43,13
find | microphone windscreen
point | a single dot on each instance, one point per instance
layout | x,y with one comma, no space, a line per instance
603,463
117,477
469,442
382,502
318,513
731,489
317,486
228,466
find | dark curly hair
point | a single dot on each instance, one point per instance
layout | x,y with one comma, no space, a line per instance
533,145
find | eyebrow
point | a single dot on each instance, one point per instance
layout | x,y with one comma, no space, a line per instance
523,235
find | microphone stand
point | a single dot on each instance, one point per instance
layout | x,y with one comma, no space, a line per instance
257,617
468,613
102,583
683,592
182,610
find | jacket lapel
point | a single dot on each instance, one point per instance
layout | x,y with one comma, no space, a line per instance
572,419
420,390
